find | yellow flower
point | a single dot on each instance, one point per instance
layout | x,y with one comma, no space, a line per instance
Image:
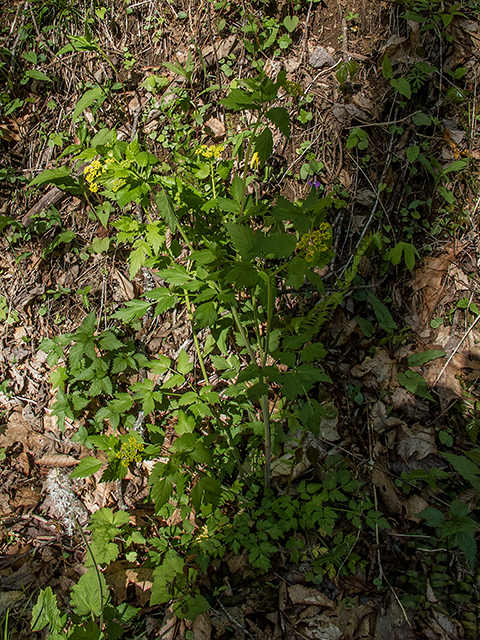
94,187
255,161
130,451
214,151
315,242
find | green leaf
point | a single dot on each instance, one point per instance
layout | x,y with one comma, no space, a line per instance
412,153
133,310
99,245
466,468
242,238
184,365
87,631
87,100
280,118
186,424
422,357
280,245
458,510
37,75
109,341
387,70
415,383
86,467
161,491
421,119
46,612
166,209
432,517
383,315
467,544
236,188
89,594
456,165
290,23
402,86
103,553
238,99
190,607
52,176
366,327
263,145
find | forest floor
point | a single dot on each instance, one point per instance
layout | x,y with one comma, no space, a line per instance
395,414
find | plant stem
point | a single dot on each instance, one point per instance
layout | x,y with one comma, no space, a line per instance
195,338
100,619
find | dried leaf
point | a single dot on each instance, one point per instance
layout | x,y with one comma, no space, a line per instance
57,460
304,595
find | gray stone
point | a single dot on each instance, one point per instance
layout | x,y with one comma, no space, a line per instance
321,58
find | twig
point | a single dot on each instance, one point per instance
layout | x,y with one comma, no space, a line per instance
456,350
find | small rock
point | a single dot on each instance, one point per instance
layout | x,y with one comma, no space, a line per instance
321,58
468,25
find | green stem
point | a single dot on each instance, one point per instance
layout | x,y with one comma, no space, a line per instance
245,167
100,619
195,338
213,180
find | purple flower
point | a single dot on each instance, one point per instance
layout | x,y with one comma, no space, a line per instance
315,183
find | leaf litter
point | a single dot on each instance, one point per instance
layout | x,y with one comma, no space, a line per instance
33,538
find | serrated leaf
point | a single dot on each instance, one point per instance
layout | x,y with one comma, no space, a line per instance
184,365
161,491
242,238
89,595
432,517
280,245
422,357
467,544
109,341
166,209
280,118
86,467
415,383
46,611
238,99
190,607
263,145
185,424
133,310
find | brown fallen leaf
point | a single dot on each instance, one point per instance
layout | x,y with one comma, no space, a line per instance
318,628
299,594
202,627
57,460
416,440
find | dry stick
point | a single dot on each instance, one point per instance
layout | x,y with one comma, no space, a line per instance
456,350
12,60
304,42
374,208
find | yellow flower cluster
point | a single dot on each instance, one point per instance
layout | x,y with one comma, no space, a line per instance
94,169
315,242
118,184
214,151
130,451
